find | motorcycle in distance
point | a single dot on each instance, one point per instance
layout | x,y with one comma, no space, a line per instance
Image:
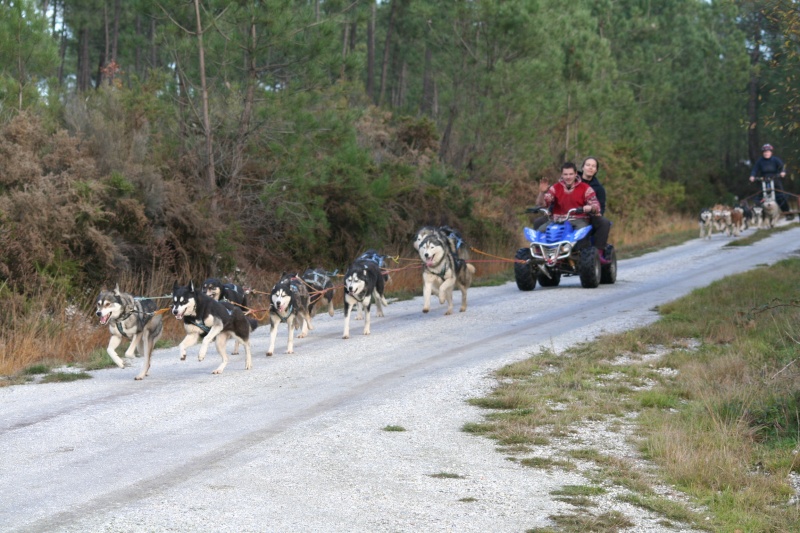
561,250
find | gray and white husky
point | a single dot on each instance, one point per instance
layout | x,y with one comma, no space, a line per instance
363,283
130,318
206,318
443,271
289,303
450,235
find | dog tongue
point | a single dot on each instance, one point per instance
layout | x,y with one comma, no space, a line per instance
429,262
104,319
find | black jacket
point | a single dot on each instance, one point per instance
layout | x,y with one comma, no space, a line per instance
599,191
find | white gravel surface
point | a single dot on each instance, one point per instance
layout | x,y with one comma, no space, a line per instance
297,443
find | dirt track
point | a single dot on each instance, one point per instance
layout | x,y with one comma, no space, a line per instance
296,444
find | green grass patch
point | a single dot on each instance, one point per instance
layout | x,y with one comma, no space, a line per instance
468,499
64,377
446,475
394,428
38,368
547,463
99,359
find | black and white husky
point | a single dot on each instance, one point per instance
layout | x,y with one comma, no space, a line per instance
227,292
130,318
289,303
320,288
206,318
363,282
443,271
380,260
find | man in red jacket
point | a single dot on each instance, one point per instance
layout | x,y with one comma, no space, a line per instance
571,193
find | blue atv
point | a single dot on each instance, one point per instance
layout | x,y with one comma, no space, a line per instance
561,250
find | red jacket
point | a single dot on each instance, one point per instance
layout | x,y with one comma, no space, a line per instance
560,199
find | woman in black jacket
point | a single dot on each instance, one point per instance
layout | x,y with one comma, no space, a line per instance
600,224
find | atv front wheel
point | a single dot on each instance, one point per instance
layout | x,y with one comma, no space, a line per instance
589,268
523,272
608,273
552,281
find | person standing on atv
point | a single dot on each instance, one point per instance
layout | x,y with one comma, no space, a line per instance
572,193
771,167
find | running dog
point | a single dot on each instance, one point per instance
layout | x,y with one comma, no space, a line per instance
206,318
363,283
228,292
706,223
380,260
758,217
289,303
442,272
319,281
133,319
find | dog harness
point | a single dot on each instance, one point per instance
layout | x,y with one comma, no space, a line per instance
375,257
288,313
145,318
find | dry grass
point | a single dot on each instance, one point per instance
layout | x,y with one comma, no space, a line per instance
719,417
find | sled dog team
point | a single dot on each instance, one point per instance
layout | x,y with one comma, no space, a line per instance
215,312
733,220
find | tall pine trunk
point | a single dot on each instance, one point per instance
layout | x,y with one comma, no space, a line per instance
211,174
370,88
386,46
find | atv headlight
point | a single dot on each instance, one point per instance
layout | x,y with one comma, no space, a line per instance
567,248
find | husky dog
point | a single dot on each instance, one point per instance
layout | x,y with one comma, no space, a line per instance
443,271
758,217
130,318
706,223
363,283
206,318
771,214
452,236
289,302
380,260
228,292
319,281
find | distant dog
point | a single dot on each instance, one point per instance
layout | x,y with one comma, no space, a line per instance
363,283
289,303
206,318
737,220
133,319
443,271
228,292
758,217
771,214
321,289
706,224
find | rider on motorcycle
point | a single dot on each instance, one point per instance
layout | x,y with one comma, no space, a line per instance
571,193
771,167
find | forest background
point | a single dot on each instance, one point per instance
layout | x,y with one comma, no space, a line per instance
149,140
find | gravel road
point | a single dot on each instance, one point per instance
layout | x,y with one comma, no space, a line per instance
297,443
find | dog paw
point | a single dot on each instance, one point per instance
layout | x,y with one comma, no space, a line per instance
289,351
217,371
235,353
183,357
345,336
424,310
302,335
269,354
462,309
138,378
448,312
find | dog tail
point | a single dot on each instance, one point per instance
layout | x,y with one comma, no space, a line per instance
253,323
471,268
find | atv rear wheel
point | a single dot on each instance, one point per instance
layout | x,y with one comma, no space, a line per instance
589,268
552,281
523,272
608,273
